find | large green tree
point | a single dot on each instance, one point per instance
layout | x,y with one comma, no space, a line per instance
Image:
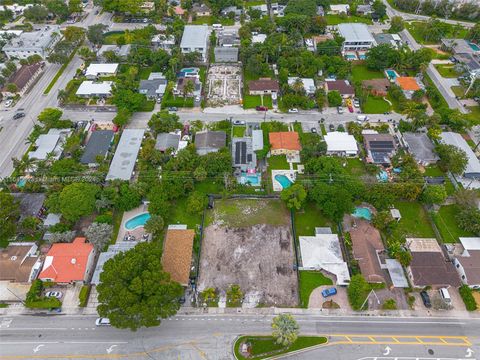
9,212
77,200
294,196
164,122
333,200
452,158
135,291
285,329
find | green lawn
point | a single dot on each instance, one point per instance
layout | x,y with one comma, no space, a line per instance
458,90
252,101
278,162
337,19
355,167
112,37
116,222
447,71
179,214
414,29
375,105
248,212
307,219
178,101
238,131
414,222
309,281
210,20
144,72
434,171
474,115
446,224
361,72
265,347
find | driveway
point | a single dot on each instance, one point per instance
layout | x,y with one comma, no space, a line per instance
316,300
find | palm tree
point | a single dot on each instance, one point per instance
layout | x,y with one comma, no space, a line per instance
188,88
62,96
297,86
285,329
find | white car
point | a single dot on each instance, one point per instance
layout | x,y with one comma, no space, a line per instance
356,103
8,103
293,111
238,122
55,294
340,109
102,322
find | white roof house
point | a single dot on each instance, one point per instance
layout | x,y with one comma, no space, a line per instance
123,161
323,252
195,39
95,70
259,38
308,84
45,144
355,32
36,42
91,88
472,171
257,140
339,8
341,143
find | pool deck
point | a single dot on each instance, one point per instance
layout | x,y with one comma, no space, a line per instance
291,174
127,215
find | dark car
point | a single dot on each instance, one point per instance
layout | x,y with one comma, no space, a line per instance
18,115
425,299
261,108
172,108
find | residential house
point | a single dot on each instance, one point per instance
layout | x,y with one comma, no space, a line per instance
231,9
170,141
180,86
126,154
30,204
201,10
320,11
421,147
308,84
210,141
154,87
69,262
408,85
228,38
472,171
259,38
16,9
243,155
459,46
178,10
95,71
468,263
285,142
164,42
38,42
342,86
428,266
377,87
364,9
393,40
337,9
263,86
470,62
97,147
358,40
323,252
195,39
380,148
112,250
101,89
19,262
177,253
121,52
341,144
24,78
226,54
49,145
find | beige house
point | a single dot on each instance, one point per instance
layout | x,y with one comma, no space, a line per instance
284,143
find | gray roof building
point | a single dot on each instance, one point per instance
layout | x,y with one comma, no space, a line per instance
126,154
421,147
29,203
98,145
390,39
472,171
210,141
154,88
167,141
226,54
355,32
242,153
36,42
458,46
195,39
257,140
107,255
469,60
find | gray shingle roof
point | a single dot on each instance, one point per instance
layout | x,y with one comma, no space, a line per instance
166,141
98,145
210,139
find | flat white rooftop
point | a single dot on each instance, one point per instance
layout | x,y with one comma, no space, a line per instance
95,69
338,141
126,154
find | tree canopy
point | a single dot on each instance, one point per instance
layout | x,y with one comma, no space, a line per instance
77,200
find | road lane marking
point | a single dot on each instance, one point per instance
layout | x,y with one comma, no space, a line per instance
41,328
369,339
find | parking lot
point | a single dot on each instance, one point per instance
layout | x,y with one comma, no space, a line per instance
249,242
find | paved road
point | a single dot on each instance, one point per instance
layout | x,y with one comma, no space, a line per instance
210,337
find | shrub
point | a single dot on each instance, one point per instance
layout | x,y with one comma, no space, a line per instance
83,295
468,299
389,304
357,291
34,300
104,219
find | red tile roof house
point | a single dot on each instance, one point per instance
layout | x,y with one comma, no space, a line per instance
342,86
24,78
284,142
263,86
69,262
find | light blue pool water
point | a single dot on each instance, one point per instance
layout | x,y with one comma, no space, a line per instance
392,75
350,57
397,170
363,212
250,179
474,47
188,70
21,183
283,180
362,57
382,176
137,221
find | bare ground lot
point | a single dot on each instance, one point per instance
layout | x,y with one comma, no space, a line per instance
249,243
223,85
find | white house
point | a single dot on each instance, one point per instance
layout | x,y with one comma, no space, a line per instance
92,88
162,41
336,9
96,70
468,263
472,171
308,84
38,42
357,37
341,144
195,39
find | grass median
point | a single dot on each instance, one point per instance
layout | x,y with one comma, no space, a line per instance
59,72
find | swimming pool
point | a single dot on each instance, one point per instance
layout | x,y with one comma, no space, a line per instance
474,47
363,212
189,70
350,57
253,180
137,221
391,74
382,176
21,183
283,180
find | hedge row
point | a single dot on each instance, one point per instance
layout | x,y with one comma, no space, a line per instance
468,299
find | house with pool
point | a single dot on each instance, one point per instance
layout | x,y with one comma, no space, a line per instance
244,157
285,143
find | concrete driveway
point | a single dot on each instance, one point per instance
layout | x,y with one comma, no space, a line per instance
316,300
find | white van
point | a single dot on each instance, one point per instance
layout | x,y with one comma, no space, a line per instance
362,117
217,27
445,295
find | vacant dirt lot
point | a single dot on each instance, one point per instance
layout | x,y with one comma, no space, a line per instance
258,256
223,85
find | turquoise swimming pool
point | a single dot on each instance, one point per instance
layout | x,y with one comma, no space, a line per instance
253,180
21,183
283,180
382,176
391,74
189,70
363,213
351,57
137,221
474,47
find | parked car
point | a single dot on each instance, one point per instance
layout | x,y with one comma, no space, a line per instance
313,130
293,111
102,322
8,103
453,59
340,109
172,108
197,98
261,108
445,295
331,127
356,103
329,292
18,115
425,299
55,294
238,122
362,117
181,300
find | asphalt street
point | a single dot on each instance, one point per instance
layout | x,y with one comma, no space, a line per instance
211,337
